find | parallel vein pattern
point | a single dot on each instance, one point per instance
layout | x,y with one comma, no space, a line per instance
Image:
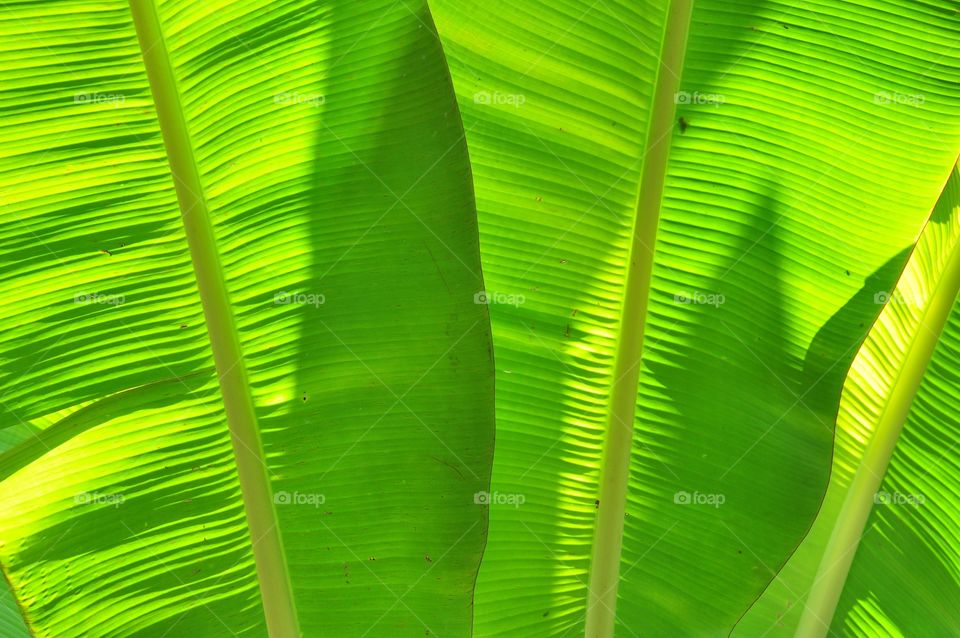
332,157
258,499
803,165
922,460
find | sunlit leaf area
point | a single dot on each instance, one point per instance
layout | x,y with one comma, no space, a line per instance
479,318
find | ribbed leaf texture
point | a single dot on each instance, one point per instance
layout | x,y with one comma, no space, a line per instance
332,160
812,140
904,579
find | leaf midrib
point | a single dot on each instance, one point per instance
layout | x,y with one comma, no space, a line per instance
275,588
834,566
615,463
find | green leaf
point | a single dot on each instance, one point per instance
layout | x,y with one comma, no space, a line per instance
11,619
890,509
326,191
904,580
11,622
810,142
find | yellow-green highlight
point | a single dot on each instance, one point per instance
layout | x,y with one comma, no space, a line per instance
275,588
615,466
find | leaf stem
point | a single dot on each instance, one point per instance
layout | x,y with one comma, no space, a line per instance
615,464
838,556
275,589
